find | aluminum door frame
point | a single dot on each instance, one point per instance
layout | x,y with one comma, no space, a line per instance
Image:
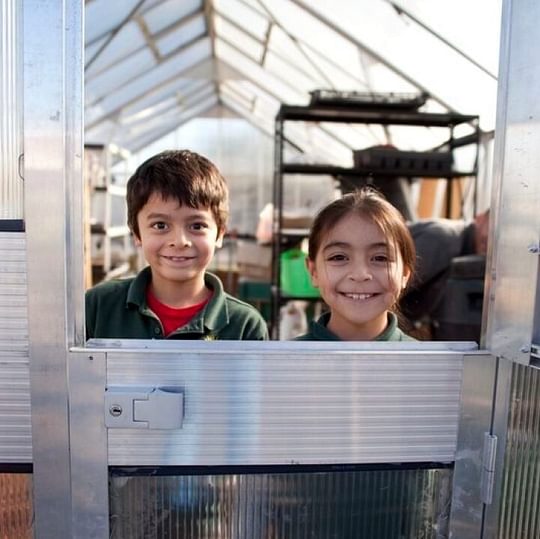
53,152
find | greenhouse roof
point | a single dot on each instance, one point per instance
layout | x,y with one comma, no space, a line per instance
152,65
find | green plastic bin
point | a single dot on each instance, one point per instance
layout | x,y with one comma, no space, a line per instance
295,279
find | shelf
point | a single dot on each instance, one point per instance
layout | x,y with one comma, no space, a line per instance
295,232
349,115
297,168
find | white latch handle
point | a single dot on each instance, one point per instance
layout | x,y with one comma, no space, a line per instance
144,407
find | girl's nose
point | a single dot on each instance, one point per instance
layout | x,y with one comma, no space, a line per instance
360,272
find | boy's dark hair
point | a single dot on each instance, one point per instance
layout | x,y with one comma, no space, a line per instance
370,204
181,175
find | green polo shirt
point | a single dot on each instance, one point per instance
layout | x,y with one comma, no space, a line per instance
118,310
318,331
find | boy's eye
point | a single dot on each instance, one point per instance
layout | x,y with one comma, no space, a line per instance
200,225
159,225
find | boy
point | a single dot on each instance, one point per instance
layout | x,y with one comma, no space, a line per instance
177,210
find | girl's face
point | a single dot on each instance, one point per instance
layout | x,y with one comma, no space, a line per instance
360,276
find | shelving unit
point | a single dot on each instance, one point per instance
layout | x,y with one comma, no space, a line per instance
376,110
106,215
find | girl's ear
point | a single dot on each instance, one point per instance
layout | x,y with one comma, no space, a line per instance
405,278
312,269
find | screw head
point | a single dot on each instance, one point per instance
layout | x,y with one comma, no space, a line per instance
115,410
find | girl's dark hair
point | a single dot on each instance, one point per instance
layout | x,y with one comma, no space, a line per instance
181,175
370,204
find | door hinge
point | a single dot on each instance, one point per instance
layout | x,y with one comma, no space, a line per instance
488,468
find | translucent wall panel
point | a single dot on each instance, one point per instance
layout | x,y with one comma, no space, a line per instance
520,501
242,153
381,504
11,185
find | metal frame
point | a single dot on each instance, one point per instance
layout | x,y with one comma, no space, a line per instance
53,154
53,149
514,262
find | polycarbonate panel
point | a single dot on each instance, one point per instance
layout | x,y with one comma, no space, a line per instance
128,40
15,506
374,504
239,38
120,74
183,34
252,403
169,124
169,12
103,16
246,16
163,73
11,184
520,498
254,72
176,89
15,426
403,42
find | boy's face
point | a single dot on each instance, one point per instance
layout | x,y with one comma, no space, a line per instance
359,277
177,241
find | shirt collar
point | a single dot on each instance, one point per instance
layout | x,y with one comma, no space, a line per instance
321,332
215,314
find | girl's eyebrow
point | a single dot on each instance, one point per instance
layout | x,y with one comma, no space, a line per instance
346,245
340,244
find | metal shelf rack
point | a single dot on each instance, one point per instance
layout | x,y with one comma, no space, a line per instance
355,114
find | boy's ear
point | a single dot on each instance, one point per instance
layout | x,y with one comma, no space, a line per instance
219,239
136,239
312,272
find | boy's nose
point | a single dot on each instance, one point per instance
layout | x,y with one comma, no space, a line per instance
179,239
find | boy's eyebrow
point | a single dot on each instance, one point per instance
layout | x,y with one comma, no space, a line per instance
157,215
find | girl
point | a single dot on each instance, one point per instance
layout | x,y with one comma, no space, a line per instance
361,257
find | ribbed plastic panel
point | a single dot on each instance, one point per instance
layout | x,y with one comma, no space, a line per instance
294,407
404,504
520,501
15,426
11,185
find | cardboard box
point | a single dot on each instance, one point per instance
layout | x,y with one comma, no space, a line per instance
291,220
254,261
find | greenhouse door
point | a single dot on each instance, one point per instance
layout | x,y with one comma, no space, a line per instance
268,439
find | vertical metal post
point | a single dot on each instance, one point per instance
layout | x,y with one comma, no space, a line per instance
467,515
89,471
277,222
53,152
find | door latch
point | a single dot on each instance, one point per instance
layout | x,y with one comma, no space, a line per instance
144,407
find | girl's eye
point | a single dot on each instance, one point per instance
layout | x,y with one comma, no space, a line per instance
381,258
160,225
337,258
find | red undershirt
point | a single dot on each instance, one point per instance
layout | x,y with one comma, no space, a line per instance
172,318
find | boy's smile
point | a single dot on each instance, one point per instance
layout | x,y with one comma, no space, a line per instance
178,242
359,276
